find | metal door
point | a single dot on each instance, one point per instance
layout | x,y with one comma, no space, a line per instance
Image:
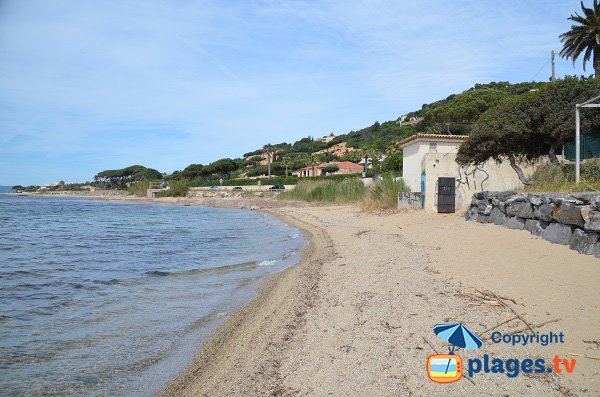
446,196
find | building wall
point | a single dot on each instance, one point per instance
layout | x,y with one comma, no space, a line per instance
413,154
488,176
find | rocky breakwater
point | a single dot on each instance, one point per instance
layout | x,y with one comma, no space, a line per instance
571,219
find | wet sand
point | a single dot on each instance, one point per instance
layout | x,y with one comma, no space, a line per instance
355,317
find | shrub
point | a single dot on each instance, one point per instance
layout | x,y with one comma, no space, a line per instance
178,188
561,178
384,193
139,189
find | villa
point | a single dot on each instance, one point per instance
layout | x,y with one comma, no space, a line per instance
344,167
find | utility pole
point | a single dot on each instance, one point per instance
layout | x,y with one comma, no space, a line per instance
553,74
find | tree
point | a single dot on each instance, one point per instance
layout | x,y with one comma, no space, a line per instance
268,151
286,162
331,168
193,171
584,37
532,125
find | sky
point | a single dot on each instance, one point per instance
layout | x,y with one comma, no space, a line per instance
92,85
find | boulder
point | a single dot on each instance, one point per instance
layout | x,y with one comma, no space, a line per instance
558,233
503,196
544,212
488,209
514,199
520,209
535,227
596,250
515,223
481,205
583,242
496,217
482,218
568,214
591,219
586,197
534,199
480,196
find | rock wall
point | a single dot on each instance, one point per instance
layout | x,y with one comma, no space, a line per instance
571,219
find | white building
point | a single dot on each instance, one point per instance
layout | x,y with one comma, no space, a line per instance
414,149
428,157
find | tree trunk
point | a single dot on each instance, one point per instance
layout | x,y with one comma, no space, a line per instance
513,163
286,171
597,60
552,155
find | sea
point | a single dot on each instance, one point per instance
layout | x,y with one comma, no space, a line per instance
114,299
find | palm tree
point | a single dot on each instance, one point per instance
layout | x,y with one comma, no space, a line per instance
268,151
286,162
583,36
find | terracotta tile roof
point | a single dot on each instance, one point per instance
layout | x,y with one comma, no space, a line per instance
432,136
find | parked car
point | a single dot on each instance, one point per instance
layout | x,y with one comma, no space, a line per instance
237,189
277,187
214,187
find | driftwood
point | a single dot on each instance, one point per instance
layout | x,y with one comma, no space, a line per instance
583,355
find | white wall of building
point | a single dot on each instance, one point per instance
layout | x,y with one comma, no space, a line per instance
413,153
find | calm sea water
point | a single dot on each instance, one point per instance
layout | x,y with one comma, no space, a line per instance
114,299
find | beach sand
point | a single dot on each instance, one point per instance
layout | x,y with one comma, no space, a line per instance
355,317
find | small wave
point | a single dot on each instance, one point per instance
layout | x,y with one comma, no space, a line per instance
218,269
157,273
267,263
108,282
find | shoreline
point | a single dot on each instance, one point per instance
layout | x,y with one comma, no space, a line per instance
263,312
355,315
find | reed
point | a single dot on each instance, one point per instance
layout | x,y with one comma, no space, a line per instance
350,190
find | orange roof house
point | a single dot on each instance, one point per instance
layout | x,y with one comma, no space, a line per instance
344,167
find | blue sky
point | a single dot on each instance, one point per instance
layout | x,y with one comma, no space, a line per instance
91,85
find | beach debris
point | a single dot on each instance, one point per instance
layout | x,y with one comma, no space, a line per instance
583,355
595,342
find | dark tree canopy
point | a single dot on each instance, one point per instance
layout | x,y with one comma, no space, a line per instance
532,125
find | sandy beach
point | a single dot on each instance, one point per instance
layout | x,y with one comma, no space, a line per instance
355,317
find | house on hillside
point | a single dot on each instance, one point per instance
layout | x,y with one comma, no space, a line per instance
344,167
429,157
328,138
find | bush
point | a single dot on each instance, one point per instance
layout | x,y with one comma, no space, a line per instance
178,188
384,193
561,178
139,189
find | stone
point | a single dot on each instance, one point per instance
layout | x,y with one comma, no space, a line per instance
473,216
596,250
515,223
482,218
534,199
568,213
558,233
586,197
482,205
583,242
514,199
595,203
503,196
479,196
488,209
535,227
520,209
544,212
496,217
591,219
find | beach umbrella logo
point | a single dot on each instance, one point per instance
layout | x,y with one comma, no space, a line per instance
458,335
447,368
